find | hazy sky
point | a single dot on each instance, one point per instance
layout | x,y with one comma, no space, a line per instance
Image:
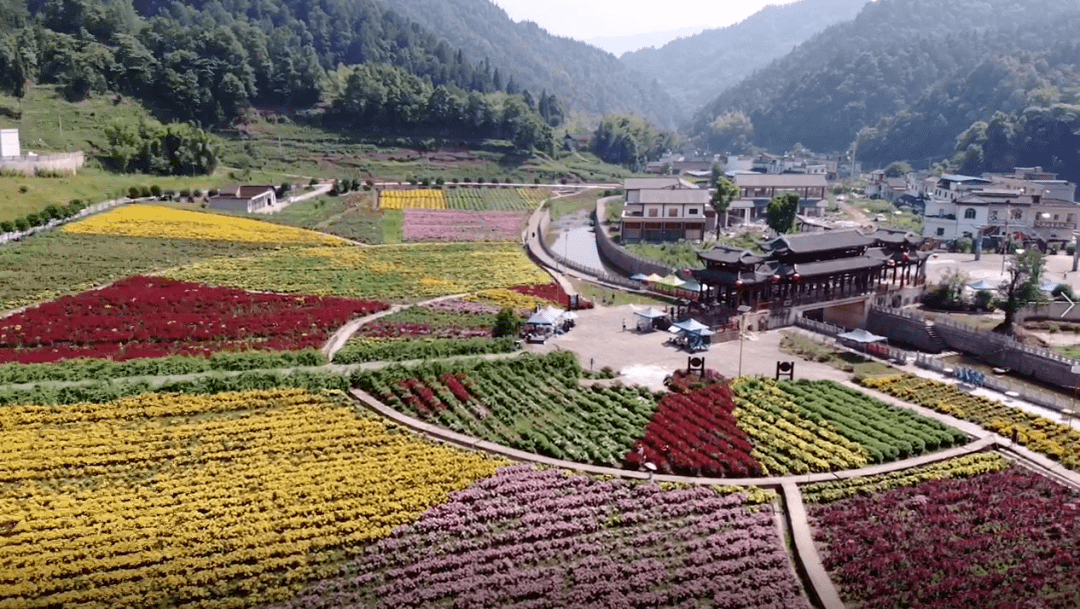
584,19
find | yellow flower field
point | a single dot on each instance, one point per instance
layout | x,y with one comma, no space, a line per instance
397,272
426,198
230,500
168,223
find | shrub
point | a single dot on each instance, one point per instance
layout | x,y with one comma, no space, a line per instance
145,193
133,192
196,193
155,190
185,193
439,181
52,212
506,323
34,220
21,224
24,189
7,226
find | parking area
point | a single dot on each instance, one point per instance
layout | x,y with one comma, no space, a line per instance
645,358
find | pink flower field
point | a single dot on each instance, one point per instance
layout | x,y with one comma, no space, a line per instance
456,225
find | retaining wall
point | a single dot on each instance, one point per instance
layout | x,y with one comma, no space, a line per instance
66,163
902,327
994,349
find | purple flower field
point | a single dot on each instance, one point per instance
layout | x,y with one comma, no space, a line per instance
455,225
537,539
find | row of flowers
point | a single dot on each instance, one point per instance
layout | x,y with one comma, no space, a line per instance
423,198
155,317
402,272
498,199
538,407
459,226
168,223
548,539
228,500
1051,438
1007,538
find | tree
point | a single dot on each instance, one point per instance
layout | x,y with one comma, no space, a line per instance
898,169
780,214
725,193
1022,286
506,323
949,293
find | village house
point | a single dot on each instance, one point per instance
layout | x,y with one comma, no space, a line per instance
756,190
1026,205
244,198
663,209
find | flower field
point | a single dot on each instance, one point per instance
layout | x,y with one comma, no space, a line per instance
370,349
495,199
232,500
695,434
425,198
402,272
548,539
167,223
521,298
1040,434
435,321
534,404
462,226
769,428
144,317
978,537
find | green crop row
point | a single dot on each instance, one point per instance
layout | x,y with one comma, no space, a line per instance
360,350
98,369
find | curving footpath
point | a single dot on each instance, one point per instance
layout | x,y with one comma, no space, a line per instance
338,339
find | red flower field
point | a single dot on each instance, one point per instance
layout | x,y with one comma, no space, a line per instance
695,434
155,317
1004,539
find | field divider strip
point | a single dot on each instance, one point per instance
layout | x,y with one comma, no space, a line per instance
821,586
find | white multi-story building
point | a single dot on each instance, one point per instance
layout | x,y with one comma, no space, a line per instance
664,209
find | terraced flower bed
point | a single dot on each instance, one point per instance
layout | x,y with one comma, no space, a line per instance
440,329
548,539
462,226
160,222
495,199
975,533
535,404
145,317
229,500
768,428
424,198
402,272
1057,441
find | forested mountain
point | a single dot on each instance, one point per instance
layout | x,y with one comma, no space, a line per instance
581,75
207,62
695,69
920,71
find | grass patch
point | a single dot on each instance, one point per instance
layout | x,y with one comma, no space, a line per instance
392,222
616,298
52,264
800,345
571,205
680,255
614,211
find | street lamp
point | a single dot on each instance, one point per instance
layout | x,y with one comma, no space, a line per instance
743,310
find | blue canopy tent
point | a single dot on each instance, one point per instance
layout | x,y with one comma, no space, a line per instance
638,277
647,317
694,333
980,286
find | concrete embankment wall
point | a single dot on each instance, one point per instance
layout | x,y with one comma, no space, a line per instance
617,256
999,351
903,329
64,163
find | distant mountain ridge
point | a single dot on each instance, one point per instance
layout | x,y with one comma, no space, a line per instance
914,73
695,69
584,77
